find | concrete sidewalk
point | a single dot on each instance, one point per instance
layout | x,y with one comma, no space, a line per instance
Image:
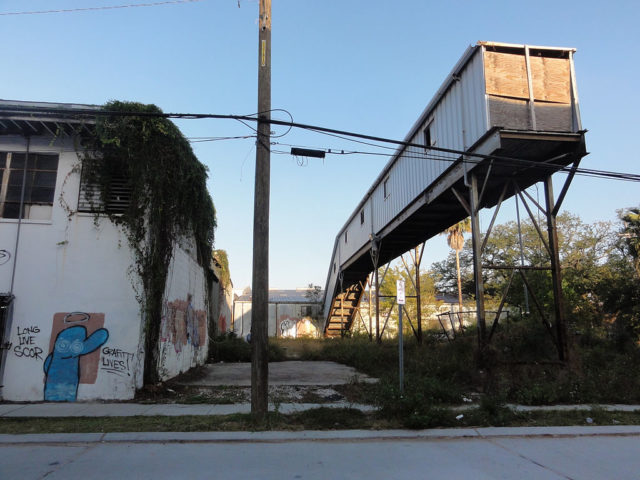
160,409
78,409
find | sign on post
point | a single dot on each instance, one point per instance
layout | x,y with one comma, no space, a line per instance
400,300
400,291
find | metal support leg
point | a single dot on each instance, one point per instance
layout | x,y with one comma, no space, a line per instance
556,273
476,240
375,255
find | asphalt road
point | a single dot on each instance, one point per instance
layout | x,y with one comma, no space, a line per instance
366,456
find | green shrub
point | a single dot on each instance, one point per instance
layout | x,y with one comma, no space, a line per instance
229,347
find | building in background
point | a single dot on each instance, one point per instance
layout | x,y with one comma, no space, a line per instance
292,313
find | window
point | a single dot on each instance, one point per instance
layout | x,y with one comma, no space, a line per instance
39,184
345,237
427,137
361,217
385,188
305,311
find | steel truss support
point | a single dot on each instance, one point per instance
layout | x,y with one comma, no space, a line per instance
471,204
416,257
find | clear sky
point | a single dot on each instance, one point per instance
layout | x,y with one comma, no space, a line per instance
368,66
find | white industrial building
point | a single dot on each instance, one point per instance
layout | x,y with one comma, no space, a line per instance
66,280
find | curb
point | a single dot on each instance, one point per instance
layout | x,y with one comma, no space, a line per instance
321,436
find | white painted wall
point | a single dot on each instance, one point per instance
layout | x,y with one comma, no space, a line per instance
184,337
79,263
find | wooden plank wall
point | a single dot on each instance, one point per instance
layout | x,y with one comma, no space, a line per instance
508,90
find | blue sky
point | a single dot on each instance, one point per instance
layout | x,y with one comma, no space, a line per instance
361,65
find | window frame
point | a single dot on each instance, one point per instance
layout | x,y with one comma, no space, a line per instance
36,179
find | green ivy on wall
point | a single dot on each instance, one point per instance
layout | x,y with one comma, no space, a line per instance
169,200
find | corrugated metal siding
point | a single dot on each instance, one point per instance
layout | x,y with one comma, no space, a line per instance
456,122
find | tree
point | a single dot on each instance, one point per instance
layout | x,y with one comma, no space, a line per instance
585,251
631,235
455,240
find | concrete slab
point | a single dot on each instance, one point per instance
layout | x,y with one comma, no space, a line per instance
280,373
49,410
10,407
116,409
176,410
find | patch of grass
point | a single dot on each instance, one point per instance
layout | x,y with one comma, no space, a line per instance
330,419
319,419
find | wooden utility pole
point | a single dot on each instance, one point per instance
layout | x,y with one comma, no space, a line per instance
260,286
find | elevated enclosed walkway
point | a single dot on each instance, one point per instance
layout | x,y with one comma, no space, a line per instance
506,118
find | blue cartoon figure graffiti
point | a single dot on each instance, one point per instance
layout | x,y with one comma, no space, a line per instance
62,366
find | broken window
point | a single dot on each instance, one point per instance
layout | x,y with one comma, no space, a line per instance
385,188
427,137
361,217
39,184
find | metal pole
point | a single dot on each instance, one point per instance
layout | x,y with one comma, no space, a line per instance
400,351
556,273
370,325
260,288
20,214
417,262
526,293
378,339
476,240
400,298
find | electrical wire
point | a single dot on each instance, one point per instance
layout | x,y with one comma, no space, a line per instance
105,7
217,139
346,135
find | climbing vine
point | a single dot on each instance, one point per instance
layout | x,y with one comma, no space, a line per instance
169,200
221,267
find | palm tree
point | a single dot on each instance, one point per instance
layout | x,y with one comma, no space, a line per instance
631,235
455,239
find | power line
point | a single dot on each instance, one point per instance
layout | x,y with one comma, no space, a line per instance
343,134
106,7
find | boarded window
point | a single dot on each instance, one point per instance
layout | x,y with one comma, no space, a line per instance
509,92
117,199
39,184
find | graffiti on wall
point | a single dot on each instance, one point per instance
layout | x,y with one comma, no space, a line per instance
74,354
26,347
288,326
117,362
296,327
5,256
182,324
